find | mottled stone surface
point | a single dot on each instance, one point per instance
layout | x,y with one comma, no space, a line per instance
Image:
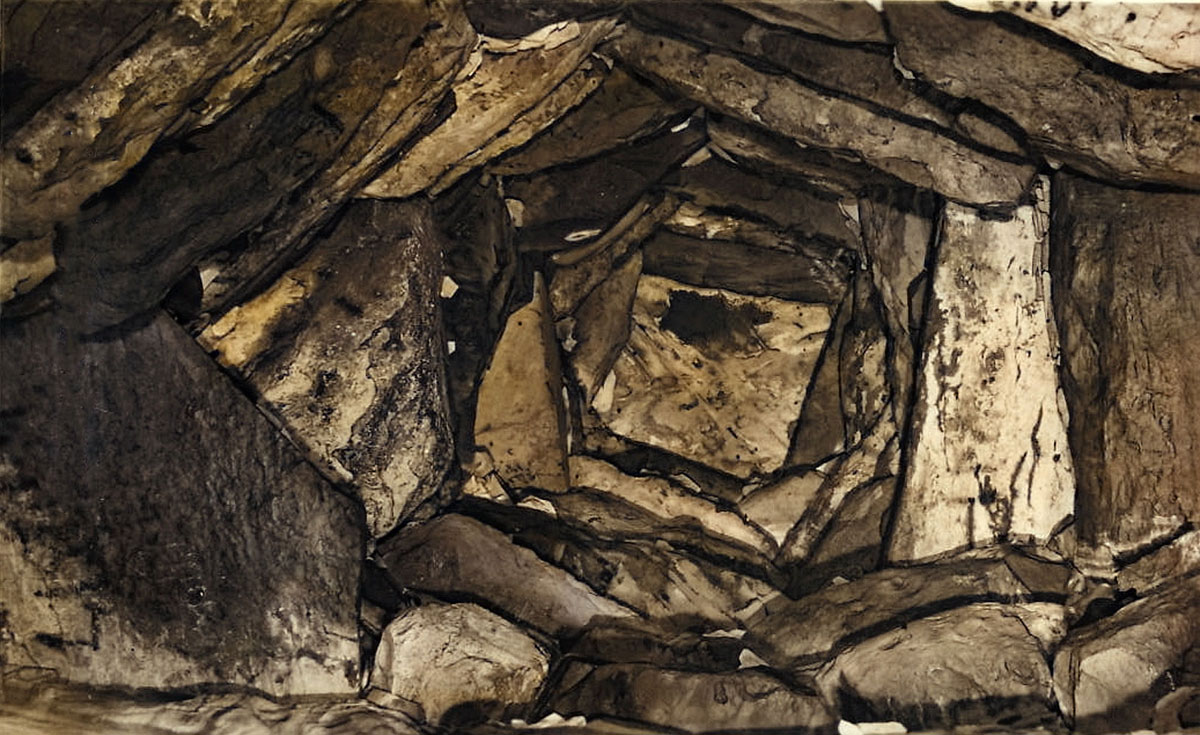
1125,278
989,456
711,375
158,530
602,324
1179,558
693,702
346,348
845,21
445,657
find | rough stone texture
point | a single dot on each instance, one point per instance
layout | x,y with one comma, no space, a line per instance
601,325
445,657
1153,38
845,21
908,152
487,102
1177,559
946,680
35,706
456,555
157,530
711,375
650,642
694,702
1126,272
989,456
519,414
1108,676
1063,106
195,55
346,348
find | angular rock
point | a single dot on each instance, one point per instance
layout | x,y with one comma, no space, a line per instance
647,642
346,349
947,683
989,457
24,265
621,111
519,415
486,103
35,706
845,21
453,555
793,635
1126,274
777,506
693,702
1155,39
601,326
1178,559
712,375
447,657
911,153
1060,103
1108,676
157,530
202,55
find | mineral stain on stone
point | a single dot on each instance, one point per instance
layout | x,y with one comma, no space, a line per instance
712,323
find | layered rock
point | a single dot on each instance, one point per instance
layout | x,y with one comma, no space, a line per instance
166,536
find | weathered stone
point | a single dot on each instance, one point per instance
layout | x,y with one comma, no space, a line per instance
821,431
621,111
601,325
946,680
36,706
346,349
519,415
455,555
650,642
202,55
1155,39
989,457
1126,277
713,375
694,702
796,634
445,657
24,265
909,152
1107,676
1060,103
1177,559
845,21
486,103
520,19
156,529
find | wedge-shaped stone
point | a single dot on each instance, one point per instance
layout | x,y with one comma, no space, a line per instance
845,21
989,458
1063,106
713,376
455,555
649,642
1107,676
662,498
1177,559
519,415
156,530
346,349
693,702
502,89
1127,281
620,112
601,325
796,634
86,139
779,103
448,656
1158,38
947,683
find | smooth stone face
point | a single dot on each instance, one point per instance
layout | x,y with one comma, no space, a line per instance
456,554
713,376
346,348
448,656
1127,283
1106,674
946,680
694,702
989,458
156,530
519,415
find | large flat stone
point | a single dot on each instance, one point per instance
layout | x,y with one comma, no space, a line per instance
346,349
156,530
713,376
989,458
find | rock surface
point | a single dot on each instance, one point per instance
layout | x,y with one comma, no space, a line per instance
469,658
346,349
164,537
